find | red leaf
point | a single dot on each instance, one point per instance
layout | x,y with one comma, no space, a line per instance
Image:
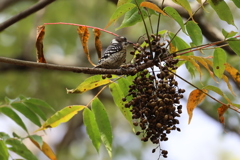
98,44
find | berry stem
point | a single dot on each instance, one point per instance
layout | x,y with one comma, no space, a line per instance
145,26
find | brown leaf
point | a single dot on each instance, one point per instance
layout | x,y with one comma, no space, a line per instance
221,110
153,7
98,44
195,98
39,44
45,149
84,36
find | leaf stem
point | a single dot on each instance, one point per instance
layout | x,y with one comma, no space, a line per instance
74,24
96,95
159,18
184,24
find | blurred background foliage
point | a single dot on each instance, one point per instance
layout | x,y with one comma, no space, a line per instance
62,46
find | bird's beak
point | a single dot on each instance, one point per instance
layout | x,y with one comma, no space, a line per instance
129,42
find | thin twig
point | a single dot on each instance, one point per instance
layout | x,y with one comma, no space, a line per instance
25,13
199,89
145,25
102,90
96,95
159,18
205,93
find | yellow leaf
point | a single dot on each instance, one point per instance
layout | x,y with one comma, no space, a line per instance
153,7
225,78
90,83
221,111
203,62
46,149
172,48
191,60
61,116
195,98
233,72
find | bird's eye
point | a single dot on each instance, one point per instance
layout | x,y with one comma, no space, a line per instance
124,39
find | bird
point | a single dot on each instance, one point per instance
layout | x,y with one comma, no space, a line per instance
115,54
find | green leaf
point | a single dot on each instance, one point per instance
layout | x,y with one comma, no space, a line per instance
124,85
131,78
117,97
219,58
36,110
175,15
4,151
191,68
61,116
22,108
185,4
121,2
20,149
222,10
181,45
103,123
11,114
39,102
218,91
237,3
9,101
4,136
228,34
91,83
15,135
132,17
120,11
194,32
37,139
194,65
234,44
236,105
92,128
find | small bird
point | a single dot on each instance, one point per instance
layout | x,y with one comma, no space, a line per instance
115,54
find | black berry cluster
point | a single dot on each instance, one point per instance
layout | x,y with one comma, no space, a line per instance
155,104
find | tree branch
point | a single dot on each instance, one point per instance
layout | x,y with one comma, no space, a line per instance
25,13
85,70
